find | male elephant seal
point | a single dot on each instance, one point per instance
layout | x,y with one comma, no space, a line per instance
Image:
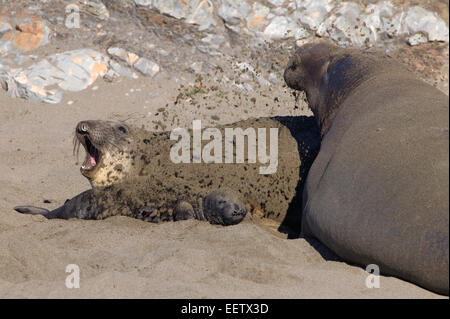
378,191
132,173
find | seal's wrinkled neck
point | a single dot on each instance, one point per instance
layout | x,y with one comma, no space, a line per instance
344,72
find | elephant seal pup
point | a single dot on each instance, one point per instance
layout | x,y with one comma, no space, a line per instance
378,191
132,173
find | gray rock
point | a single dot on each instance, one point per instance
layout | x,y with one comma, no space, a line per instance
419,20
257,19
233,11
283,28
81,67
145,3
72,70
173,8
249,70
345,26
417,39
119,70
111,75
312,12
213,44
276,3
5,27
128,57
352,24
95,8
273,78
196,67
26,33
22,59
280,11
163,52
201,13
17,85
382,18
147,67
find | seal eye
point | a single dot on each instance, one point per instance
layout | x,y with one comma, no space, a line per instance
122,129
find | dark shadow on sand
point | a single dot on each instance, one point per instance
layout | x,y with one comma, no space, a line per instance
306,132
323,250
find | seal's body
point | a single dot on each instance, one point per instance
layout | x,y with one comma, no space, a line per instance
378,191
133,174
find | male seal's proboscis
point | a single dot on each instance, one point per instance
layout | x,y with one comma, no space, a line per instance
378,191
132,174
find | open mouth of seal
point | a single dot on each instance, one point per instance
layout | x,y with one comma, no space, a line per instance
93,154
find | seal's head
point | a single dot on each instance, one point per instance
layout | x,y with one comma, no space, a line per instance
108,147
328,74
308,70
307,66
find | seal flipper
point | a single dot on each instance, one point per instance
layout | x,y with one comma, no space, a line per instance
32,210
83,206
224,207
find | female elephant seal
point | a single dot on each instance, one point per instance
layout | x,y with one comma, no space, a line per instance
378,191
132,174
